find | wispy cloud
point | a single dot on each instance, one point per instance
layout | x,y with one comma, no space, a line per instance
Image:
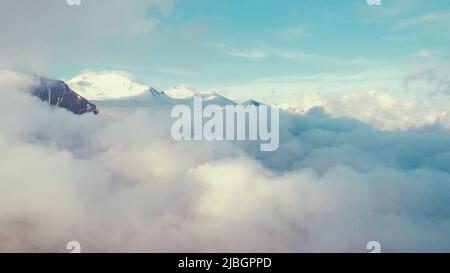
304,57
425,20
293,32
369,75
249,53
179,71
288,55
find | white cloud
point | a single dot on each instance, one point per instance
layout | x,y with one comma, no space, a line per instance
424,53
266,53
379,108
249,54
424,20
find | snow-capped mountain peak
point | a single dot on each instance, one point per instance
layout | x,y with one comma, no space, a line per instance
106,85
180,92
155,92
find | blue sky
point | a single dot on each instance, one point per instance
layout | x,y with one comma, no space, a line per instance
223,43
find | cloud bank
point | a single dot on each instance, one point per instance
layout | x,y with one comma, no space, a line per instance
380,109
124,185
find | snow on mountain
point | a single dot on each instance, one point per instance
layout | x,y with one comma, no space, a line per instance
151,97
121,92
155,98
183,93
106,85
216,99
179,92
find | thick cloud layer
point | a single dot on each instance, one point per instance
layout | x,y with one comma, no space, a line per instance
124,185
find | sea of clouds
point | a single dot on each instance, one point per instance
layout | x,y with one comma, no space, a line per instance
124,184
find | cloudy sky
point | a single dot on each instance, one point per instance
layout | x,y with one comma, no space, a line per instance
245,47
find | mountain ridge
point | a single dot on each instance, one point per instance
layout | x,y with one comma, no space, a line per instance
57,93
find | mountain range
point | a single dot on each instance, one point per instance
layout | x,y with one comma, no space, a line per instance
86,92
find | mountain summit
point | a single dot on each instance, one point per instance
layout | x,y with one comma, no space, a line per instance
180,92
106,85
58,93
